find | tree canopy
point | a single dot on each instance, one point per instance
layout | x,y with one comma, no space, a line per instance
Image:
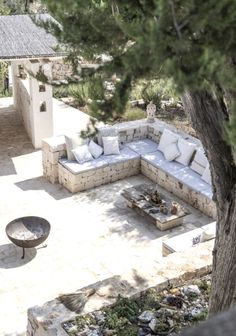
192,41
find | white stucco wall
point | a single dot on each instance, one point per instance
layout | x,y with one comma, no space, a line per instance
21,95
42,122
28,98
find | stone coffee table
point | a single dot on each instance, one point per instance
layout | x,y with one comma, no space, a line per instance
139,198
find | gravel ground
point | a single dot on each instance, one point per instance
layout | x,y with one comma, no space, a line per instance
153,313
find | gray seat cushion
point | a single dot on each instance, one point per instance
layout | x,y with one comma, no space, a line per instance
144,146
158,160
101,162
125,155
183,174
76,168
194,181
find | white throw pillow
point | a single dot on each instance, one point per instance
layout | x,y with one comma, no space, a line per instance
206,176
171,152
73,141
82,154
168,137
105,132
111,145
197,168
201,158
186,151
200,162
95,149
209,231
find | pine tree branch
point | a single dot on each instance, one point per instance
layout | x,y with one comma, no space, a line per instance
174,19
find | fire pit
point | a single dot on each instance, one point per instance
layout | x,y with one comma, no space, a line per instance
27,232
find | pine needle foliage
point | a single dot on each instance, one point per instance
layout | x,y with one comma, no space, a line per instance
190,41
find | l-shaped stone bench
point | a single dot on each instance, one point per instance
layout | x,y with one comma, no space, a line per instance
139,154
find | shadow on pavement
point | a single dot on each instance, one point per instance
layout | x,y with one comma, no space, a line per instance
10,256
57,191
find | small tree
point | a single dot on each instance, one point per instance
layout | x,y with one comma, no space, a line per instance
193,42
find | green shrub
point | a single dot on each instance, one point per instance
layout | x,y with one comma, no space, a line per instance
80,93
202,316
115,322
60,91
84,320
136,92
150,93
124,308
154,90
134,113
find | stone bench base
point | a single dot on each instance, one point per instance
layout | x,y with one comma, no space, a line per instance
96,177
54,148
188,239
194,198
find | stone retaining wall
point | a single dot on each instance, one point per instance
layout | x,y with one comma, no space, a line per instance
174,270
61,70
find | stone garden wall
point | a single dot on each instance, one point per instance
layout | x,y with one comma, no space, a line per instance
61,70
174,270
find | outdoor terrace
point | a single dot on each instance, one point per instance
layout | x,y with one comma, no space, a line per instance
94,236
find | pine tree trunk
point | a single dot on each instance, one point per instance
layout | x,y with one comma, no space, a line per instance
208,114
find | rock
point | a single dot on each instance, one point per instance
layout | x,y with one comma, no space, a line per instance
72,329
188,317
99,317
175,291
82,333
195,311
158,326
94,327
109,332
191,290
142,332
170,322
165,312
152,324
93,333
174,301
146,316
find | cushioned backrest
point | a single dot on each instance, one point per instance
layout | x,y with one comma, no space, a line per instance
199,162
72,141
186,149
105,132
168,137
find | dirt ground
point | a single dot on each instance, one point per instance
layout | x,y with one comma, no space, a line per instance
178,118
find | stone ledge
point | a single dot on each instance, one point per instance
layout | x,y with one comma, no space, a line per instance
172,270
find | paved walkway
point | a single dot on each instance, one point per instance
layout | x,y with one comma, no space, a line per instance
93,234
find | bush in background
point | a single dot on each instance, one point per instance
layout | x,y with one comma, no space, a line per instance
134,113
157,90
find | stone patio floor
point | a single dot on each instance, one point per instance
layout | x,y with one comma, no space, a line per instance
93,236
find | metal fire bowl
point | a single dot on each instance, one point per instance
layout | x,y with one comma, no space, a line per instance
29,231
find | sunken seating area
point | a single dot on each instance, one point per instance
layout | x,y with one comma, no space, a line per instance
170,158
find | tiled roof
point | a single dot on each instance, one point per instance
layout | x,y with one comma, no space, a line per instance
21,37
